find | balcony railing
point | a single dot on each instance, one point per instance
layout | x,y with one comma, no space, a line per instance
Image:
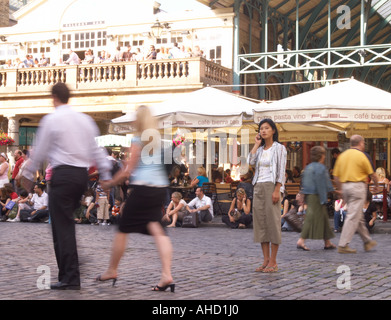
152,73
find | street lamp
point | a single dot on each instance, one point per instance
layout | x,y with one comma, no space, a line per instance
158,28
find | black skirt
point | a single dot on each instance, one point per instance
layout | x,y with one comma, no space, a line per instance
143,205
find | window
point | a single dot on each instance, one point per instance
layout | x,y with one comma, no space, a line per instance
212,43
176,37
124,41
27,136
36,48
84,40
138,43
66,41
101,38
215,54
161,41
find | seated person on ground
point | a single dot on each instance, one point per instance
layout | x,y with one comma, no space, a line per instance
239,214
201,204
175,211
370,213
80,213
22,204
8,194
39,203
116,210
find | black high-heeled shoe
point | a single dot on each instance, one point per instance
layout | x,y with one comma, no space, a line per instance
164,288
99,278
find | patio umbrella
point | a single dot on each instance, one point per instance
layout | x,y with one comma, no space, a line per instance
204,108
339,106
351,107
207,108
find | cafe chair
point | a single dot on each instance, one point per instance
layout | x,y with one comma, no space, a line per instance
232,189
379,197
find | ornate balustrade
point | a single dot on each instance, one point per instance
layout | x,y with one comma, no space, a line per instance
154,73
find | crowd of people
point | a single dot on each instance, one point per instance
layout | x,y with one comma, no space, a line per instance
25,199
141,209
119,55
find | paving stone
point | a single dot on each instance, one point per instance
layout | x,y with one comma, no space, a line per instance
209,263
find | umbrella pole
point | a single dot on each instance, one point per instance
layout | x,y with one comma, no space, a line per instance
388,148
208,157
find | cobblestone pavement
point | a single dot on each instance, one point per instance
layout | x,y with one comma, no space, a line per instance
209,263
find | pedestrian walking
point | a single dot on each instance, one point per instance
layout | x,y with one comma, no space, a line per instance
269,158
142,212
316,184
351,172
66,139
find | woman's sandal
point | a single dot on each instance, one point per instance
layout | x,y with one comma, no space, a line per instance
261,268
270,269
99,278
164,288
303,247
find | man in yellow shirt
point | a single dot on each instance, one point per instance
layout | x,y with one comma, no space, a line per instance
351,172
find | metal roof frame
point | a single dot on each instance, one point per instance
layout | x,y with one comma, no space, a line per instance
363,49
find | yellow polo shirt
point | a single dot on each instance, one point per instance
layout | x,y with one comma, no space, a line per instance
352,165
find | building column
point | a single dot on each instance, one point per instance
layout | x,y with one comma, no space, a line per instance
13,132
236,47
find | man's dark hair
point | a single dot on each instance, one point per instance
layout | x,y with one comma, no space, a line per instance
61,91
40,186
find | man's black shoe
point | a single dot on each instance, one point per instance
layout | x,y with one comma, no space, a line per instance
64,286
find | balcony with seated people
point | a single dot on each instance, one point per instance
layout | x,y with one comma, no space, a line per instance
119,76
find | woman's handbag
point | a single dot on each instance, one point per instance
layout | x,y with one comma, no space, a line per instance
235,214
294,220
10,205
191,220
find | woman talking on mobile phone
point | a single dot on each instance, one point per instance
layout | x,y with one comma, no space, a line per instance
269,158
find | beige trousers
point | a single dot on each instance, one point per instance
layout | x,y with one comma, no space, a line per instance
266,215
354,194
103,209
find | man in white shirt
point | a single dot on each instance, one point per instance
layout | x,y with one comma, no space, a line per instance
39,203
66,139
175,52
73,58
201,204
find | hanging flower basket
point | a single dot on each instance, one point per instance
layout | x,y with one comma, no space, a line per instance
5,140
178,140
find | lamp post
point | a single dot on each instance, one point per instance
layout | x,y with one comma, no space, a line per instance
157,29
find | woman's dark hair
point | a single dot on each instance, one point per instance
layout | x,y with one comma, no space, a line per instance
290,174
274,127
23,193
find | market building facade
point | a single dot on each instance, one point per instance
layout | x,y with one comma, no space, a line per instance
107,89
